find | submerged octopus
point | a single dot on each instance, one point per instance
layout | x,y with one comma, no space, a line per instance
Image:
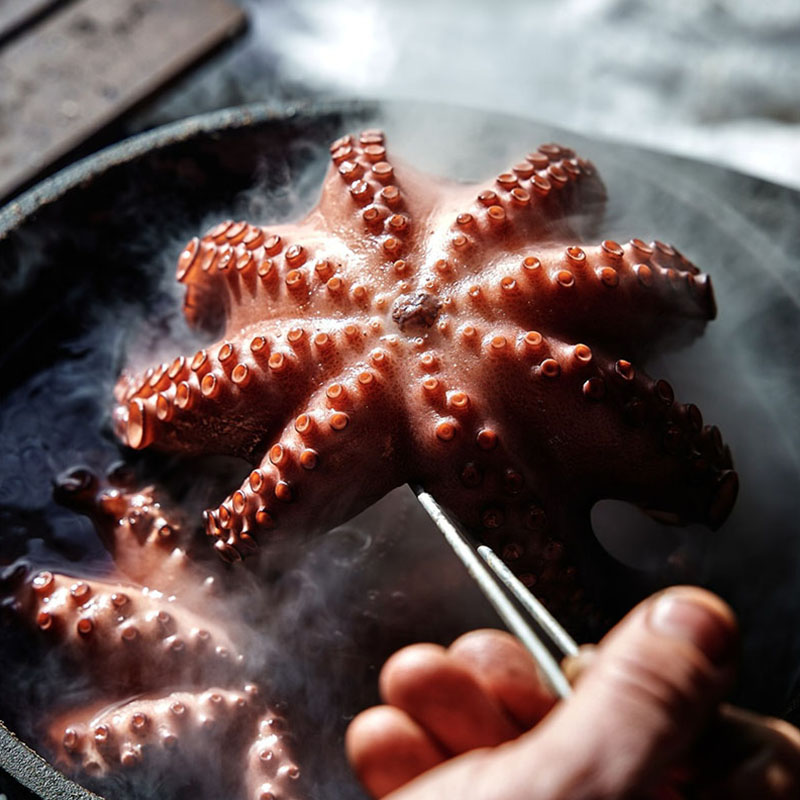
409,329
458,337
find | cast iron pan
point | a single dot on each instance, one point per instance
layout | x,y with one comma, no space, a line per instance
98,241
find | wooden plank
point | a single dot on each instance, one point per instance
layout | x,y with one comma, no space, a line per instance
16,13
64,79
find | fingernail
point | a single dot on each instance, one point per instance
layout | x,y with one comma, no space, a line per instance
700,619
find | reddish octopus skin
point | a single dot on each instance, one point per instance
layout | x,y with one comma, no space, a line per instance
129,636
122,736
148,545
455,336
150,636
271,772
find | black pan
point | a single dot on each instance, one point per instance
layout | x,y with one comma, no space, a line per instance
99,240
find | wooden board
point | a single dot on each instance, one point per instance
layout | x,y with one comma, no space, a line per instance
16,13
87,63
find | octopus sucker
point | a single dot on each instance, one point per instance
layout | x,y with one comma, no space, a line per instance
270,770
461,334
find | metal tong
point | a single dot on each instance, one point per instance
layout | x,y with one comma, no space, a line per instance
539,631
733,736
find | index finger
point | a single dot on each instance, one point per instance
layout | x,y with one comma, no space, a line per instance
507,672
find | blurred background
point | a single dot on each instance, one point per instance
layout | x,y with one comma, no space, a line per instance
717,80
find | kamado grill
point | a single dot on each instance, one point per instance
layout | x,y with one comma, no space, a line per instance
88,254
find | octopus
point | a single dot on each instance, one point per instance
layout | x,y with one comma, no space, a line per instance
168,672
463,338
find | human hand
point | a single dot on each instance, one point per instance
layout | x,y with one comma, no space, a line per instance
475,721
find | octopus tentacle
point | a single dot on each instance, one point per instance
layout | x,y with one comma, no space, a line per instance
271,772
312,463
536,196
221,266
628,438
632,295
289,266
370,201
132,638
136,733
610,292
490,487
126,635
519,208
148,542
180,412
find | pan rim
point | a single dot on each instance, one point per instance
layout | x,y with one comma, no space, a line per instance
34,772
22,207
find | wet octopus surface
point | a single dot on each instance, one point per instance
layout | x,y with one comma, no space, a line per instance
457,336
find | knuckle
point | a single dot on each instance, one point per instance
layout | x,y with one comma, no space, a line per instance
672,688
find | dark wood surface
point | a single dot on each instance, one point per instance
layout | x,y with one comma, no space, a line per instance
85,64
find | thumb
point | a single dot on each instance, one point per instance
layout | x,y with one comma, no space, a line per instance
652,686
